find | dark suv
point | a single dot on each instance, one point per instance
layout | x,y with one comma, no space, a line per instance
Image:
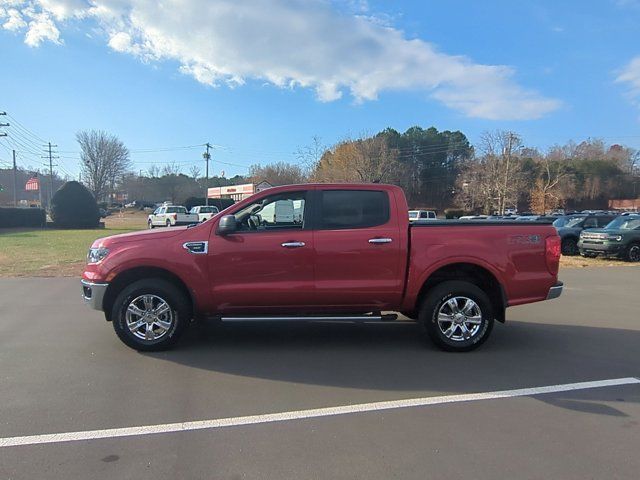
570,226
620,238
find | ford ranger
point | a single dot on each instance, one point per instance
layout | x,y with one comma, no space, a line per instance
349,254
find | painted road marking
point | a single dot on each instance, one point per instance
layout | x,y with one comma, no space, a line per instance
304,414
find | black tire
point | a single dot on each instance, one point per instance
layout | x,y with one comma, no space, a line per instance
168,223
177,301
436,300
150,223
632,253
570,247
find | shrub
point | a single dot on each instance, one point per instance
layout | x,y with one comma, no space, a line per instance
454,212
73,206
22,217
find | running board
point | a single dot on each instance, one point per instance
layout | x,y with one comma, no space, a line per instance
311,318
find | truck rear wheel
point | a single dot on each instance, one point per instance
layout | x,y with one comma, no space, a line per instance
150,314
457,316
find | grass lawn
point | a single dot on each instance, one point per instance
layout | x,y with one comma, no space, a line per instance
57,253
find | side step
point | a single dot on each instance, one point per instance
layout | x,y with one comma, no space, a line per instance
388,317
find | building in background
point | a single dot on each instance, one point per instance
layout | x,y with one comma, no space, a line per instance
629,205
238,192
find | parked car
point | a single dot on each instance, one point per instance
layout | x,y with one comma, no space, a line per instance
204,212
569,229
171,216
620,238
421,215
353,256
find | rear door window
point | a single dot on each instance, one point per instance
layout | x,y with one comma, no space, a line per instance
352,209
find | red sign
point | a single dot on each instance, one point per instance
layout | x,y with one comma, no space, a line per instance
33,184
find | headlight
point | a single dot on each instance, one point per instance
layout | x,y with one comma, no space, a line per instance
614,238
96,255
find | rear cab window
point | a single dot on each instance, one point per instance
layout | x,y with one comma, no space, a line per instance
341,209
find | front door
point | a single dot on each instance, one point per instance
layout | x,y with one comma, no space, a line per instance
266,266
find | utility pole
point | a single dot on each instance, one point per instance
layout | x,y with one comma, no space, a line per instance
51,157
15,181
207,157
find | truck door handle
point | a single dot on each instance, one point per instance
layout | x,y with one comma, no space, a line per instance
380,240
293,244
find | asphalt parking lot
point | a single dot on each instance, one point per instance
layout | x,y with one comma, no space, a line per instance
64,370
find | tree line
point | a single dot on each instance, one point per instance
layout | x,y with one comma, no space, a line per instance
436,169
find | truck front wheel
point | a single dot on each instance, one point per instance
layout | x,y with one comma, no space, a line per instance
150,314
457,316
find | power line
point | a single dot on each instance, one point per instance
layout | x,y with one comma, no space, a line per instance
28,132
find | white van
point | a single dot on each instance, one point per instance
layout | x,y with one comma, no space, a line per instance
278,212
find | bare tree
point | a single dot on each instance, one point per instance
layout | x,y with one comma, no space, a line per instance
154,171
545,194
279,173
103,159
171,169
310,155
194,172
501,151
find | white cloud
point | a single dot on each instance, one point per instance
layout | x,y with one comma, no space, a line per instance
14,20
630,75
331,46
41,28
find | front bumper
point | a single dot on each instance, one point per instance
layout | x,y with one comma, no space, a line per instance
604,248
93,293
555,291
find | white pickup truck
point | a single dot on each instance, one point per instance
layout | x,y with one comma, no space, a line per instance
170,216
204,212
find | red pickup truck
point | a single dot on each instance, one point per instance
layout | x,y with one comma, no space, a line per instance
322,252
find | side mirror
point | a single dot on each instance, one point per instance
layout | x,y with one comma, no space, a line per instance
227,225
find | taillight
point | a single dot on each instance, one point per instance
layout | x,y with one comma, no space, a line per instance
552,253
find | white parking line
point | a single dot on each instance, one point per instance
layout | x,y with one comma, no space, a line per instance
303,414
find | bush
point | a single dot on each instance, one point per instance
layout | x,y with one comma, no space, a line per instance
22,217
454,212
73,206
221,203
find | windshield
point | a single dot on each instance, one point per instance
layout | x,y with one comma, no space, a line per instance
208,209
575,222
562,221
624,223
413,214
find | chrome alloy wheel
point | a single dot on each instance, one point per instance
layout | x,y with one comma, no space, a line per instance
459,318
634,253
149,317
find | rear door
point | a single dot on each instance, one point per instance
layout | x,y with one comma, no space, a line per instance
359,259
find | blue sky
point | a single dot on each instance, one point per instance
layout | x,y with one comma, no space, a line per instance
259,78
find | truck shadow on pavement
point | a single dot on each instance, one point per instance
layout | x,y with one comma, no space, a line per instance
395,357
